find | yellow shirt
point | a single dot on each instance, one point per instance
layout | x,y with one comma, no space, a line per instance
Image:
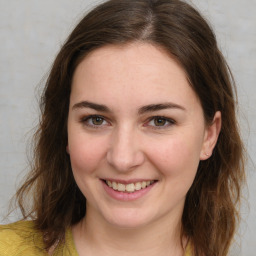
22,239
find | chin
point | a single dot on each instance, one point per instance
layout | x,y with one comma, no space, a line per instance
128,224
128,219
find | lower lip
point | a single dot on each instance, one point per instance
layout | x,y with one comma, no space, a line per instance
125,196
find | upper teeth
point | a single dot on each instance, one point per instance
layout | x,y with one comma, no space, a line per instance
131,187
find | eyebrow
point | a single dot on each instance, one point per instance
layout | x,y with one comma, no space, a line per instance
95,106
157,107
142,110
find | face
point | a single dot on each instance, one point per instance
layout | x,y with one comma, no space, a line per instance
136,134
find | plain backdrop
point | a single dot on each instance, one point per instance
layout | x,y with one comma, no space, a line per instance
32,32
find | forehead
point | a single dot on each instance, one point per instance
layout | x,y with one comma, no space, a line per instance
135,72
130,59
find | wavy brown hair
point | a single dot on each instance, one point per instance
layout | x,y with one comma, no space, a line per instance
210,214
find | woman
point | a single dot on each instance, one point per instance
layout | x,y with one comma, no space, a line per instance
138,150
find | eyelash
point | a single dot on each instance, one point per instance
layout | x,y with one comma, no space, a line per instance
167,122
85,121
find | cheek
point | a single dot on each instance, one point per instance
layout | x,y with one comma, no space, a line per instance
85,154
177,162
176,157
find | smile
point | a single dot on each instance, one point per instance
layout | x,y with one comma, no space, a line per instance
129,188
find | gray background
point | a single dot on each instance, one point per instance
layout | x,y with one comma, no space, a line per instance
31,34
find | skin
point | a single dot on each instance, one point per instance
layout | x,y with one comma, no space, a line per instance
129,142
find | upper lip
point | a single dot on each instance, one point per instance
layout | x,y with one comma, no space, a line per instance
127,181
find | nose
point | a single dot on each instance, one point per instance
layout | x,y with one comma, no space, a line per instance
125,153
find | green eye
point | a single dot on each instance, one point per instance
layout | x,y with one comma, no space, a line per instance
159,121
97,120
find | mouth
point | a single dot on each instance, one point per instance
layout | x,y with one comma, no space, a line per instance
129,187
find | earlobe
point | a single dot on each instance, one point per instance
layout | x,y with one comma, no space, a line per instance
67,149
211,136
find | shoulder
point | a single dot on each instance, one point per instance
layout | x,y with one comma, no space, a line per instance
20,238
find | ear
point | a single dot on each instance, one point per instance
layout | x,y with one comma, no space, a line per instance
211,136
67,149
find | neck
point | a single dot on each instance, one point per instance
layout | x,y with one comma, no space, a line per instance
98,237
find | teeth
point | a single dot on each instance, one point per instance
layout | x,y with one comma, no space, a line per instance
128,187
120,187
109,183
138,185
114,185
143,184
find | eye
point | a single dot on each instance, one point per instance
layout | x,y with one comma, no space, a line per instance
94,121
97,120
159,122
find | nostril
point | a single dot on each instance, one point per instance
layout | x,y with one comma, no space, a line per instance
125,160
